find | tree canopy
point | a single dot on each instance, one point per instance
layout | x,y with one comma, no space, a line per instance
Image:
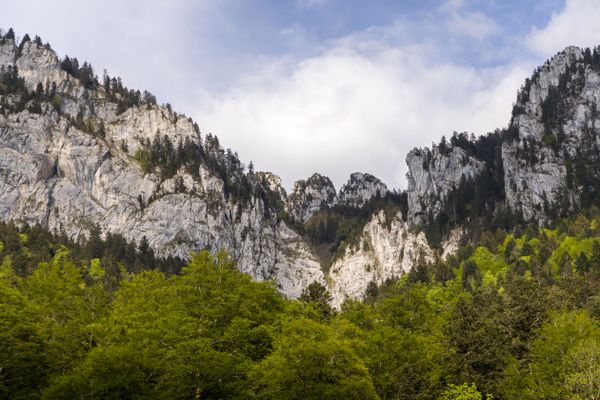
517,317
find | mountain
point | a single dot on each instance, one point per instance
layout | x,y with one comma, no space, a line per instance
84,154
543,166
79,153
551,159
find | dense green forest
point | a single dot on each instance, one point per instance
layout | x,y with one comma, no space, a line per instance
515,318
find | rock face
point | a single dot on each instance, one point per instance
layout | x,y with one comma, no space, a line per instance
310,195
550,154
37,64
432,175
387,249
317,192
273,182
55,173
360,189
384,251
555,128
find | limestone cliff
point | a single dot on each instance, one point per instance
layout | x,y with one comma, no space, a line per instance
310,195
433,174
359,189
387,250
551,158
55,174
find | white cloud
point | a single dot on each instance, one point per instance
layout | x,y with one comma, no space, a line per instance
577,24
357,108
453,5
310,3
474,25
460,21
148,46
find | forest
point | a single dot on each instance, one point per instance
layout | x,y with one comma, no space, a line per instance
516,317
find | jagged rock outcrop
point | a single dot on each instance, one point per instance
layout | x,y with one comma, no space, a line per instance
139,124
552,156
317,192
37,64
273,182
360,189
387,249
433,173
384,251
310,195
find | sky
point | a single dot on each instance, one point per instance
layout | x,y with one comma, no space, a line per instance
328,86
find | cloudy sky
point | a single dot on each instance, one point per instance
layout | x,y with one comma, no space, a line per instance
334,86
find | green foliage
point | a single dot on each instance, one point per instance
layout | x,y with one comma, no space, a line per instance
144,157
563,362
404,364
22,359
84,74
311,361
509,322
125,98
319,297
10,82
190,335
582,378
462,392
64,306
116,255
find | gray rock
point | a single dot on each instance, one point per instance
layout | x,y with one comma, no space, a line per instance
309,196
360,189
536,161
38,64
432,175
8,52
273,182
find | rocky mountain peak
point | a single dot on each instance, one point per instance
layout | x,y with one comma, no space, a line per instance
36,63
359,189
564,73
273,183
310,195
554,128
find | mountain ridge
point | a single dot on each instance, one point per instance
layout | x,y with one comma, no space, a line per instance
98,154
